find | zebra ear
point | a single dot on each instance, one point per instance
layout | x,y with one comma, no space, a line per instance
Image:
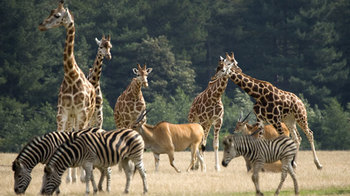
48,169
15,165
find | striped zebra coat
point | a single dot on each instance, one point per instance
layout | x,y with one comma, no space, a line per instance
260,151
39,150
97,150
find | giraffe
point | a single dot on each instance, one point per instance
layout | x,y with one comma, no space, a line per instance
274,106
76,98
104,46
131,103
207,108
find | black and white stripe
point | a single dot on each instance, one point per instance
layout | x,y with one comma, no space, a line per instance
39,150
99,150
260,151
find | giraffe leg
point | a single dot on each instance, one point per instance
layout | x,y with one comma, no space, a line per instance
217,127
295,136
309,134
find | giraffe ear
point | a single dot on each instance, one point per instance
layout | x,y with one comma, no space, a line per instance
97,41
149,70
135,71
221,58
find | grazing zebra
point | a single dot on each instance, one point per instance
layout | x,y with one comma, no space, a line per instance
96,150
260,151
39,150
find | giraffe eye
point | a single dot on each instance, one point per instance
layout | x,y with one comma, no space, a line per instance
57,15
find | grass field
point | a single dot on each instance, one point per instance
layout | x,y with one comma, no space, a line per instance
333,179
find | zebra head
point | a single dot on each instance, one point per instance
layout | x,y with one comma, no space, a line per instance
229,150
51,181
22,177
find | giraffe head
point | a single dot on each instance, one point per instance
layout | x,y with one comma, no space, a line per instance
142,74
230,63
58,17
223,69
104,47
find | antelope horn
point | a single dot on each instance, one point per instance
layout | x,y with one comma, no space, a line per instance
240,116
246,116
142,115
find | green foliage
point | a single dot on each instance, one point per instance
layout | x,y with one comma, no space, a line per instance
335,127
173,109
20,123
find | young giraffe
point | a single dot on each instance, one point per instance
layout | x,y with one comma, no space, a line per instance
274,106
207,108
104,46
76,99
131,103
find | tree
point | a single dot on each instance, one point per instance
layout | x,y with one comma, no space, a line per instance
168,73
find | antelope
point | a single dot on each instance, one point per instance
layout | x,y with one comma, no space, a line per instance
166,138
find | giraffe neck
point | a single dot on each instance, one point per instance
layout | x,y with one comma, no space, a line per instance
71,68
134,88
253,87
217,88
95,76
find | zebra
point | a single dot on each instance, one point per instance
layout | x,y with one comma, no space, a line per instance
39,150
260,151
97,150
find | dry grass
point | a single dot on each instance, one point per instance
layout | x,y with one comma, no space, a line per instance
334,177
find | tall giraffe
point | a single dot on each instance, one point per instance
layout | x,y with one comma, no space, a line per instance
131,103
274,105
76,98
104,46
207,108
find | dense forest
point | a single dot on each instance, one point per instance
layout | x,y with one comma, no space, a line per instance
299,46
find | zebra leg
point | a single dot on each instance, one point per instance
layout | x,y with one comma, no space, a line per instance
255,177
285,165
128,170
140,167
89,176
292,174
108,173
82,174
103,174
247,164
156,161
